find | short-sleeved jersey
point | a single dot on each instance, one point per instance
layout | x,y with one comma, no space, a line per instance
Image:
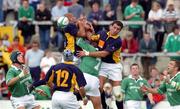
131,88
111,44
90,65
65,77
20,88
70,33
173,95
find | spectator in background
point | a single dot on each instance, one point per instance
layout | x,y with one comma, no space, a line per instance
3,48
25,18
154,74
155,18
163,75
43,14
81,2
11,6
170,17
129,44
34,3
67,2
16,46
147,45
109,14
47,61
5,40
146,4
135,12
1,11
163,3
173,43
124,4
3,87
91,2
76,9
114,4
156,97
57,11
33,58
95,15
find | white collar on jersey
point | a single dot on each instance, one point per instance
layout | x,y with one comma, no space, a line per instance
175,75
15,67
140,78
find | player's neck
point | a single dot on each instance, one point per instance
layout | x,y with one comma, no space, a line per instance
174,73
17,65
135,76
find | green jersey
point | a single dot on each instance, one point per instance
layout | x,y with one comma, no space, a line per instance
90,65
131,88
173,45
173,95
20,88
47,91
130,10
28,13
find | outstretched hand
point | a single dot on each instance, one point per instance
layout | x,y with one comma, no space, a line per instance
81,53
41,92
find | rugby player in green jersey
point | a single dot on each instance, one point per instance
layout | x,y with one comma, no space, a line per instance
90,67
18,80
170,86
130,88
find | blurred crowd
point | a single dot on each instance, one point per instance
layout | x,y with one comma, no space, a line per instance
160,15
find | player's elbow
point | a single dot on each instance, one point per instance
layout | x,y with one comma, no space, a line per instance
82,34
9,84
104,54
81,88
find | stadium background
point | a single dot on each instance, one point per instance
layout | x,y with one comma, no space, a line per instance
9,27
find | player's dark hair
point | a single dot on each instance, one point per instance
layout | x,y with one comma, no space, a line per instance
177,63
25,1
14,55
16,38
117,22
134,64
135,1
175,28
68,55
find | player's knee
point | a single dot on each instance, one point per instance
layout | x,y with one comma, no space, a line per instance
117,93
37,107
96,102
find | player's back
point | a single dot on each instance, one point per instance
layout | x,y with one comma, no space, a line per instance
65,77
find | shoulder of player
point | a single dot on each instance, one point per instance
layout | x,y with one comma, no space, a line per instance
10,70
102,33
139,6
126,79
178,77
70,27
